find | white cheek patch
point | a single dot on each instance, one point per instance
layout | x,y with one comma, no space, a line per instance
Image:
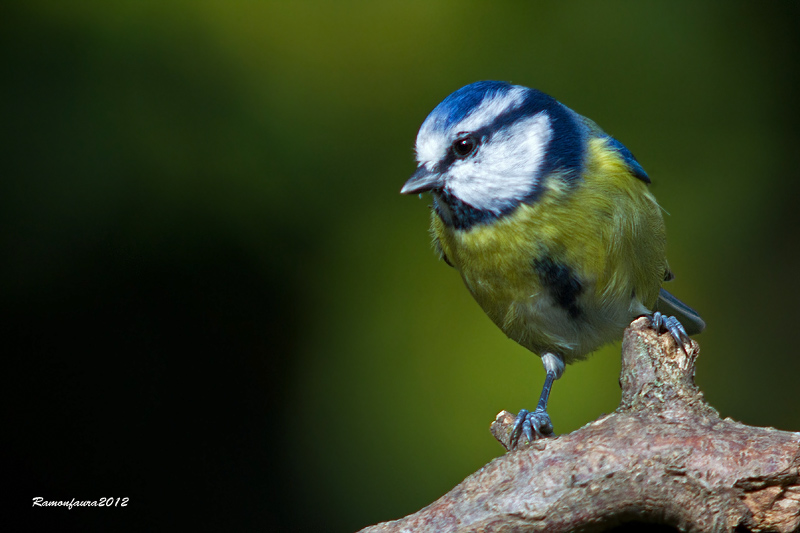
506,168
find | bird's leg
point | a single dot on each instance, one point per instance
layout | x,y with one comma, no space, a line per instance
537,424
663,323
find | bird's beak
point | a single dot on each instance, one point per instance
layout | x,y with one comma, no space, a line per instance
423,180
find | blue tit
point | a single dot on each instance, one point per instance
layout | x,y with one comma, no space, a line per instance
550,223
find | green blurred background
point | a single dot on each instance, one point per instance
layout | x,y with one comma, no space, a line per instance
216,303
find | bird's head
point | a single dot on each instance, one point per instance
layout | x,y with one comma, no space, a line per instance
485,149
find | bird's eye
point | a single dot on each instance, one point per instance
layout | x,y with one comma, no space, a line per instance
464,146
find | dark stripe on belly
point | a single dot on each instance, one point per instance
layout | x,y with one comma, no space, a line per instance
560,283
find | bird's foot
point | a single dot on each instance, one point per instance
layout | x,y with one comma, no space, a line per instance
534,425
663,324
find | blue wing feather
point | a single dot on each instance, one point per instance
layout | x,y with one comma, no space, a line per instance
633,164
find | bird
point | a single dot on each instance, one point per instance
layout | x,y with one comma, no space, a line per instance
550,223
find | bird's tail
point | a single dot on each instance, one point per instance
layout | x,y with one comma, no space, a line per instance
690,319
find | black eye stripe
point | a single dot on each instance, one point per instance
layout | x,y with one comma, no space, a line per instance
464,146
458,146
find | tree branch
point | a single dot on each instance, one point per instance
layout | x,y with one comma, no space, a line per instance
664,456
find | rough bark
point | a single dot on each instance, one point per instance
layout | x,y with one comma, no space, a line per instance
664,456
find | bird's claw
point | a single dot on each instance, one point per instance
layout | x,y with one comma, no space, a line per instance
663,323
533,424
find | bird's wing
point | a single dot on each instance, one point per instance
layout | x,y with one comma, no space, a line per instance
635,167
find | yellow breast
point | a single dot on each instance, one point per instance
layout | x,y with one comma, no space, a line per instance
605,231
